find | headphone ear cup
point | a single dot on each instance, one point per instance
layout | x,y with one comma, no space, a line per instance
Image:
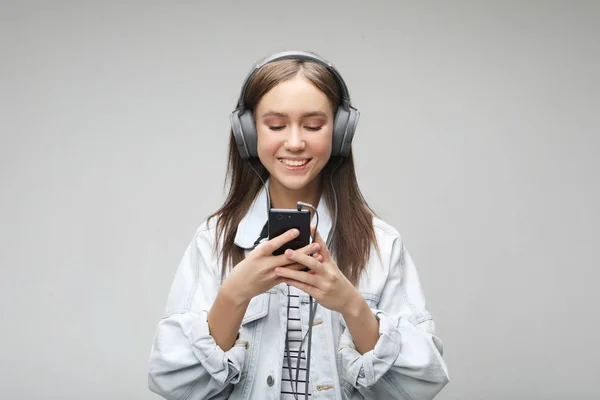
249,131
238,134
340,124
353,116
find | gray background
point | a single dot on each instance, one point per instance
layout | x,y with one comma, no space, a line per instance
477,140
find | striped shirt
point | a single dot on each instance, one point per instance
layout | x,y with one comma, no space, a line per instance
294,338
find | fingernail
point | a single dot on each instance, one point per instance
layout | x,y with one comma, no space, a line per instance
315,247
295,232
289,252
277,270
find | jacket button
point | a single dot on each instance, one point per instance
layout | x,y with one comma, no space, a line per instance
270,380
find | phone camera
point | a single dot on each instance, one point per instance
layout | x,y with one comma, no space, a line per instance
279,216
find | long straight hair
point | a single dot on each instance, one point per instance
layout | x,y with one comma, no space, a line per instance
354,234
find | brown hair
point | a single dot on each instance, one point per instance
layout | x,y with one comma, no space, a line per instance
354,232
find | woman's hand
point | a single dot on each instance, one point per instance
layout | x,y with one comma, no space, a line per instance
252,276
324,282
255,274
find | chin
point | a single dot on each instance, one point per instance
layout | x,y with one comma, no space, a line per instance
293,183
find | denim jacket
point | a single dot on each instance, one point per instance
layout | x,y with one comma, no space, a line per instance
186,363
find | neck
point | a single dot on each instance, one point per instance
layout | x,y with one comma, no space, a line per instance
282,197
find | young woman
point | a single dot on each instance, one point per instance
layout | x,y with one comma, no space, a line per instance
239,321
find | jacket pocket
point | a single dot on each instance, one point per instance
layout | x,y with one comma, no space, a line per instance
250,334
257,308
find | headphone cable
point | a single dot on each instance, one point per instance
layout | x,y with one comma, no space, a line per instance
312,309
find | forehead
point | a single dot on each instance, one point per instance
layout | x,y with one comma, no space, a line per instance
294,96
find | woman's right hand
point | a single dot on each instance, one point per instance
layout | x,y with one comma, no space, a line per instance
255,274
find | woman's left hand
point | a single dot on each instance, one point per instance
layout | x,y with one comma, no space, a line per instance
324,282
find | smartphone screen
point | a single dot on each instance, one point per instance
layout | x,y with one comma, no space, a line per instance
282,220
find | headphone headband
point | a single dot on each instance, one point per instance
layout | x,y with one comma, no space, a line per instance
344,121
297,55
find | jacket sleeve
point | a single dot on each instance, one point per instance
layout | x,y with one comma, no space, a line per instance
406,362
185,361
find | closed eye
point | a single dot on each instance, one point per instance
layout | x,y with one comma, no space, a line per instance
309,128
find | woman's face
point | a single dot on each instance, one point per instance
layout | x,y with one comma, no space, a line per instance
294,123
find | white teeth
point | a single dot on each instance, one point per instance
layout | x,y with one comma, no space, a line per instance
293,163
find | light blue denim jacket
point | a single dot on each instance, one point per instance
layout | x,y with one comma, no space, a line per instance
406,363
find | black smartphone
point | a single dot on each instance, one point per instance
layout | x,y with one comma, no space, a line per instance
282,220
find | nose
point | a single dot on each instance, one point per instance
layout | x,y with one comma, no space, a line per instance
294,141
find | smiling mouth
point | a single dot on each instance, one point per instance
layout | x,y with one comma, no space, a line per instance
293,163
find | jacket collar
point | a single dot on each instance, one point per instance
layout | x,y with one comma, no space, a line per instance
255,219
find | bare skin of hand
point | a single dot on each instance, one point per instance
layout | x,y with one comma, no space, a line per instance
330,287
252,276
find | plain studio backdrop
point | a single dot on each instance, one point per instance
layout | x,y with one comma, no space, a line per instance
478,141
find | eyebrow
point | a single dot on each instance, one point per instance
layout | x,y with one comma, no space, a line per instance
284,115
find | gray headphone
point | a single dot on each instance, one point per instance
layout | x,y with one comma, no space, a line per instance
345,121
